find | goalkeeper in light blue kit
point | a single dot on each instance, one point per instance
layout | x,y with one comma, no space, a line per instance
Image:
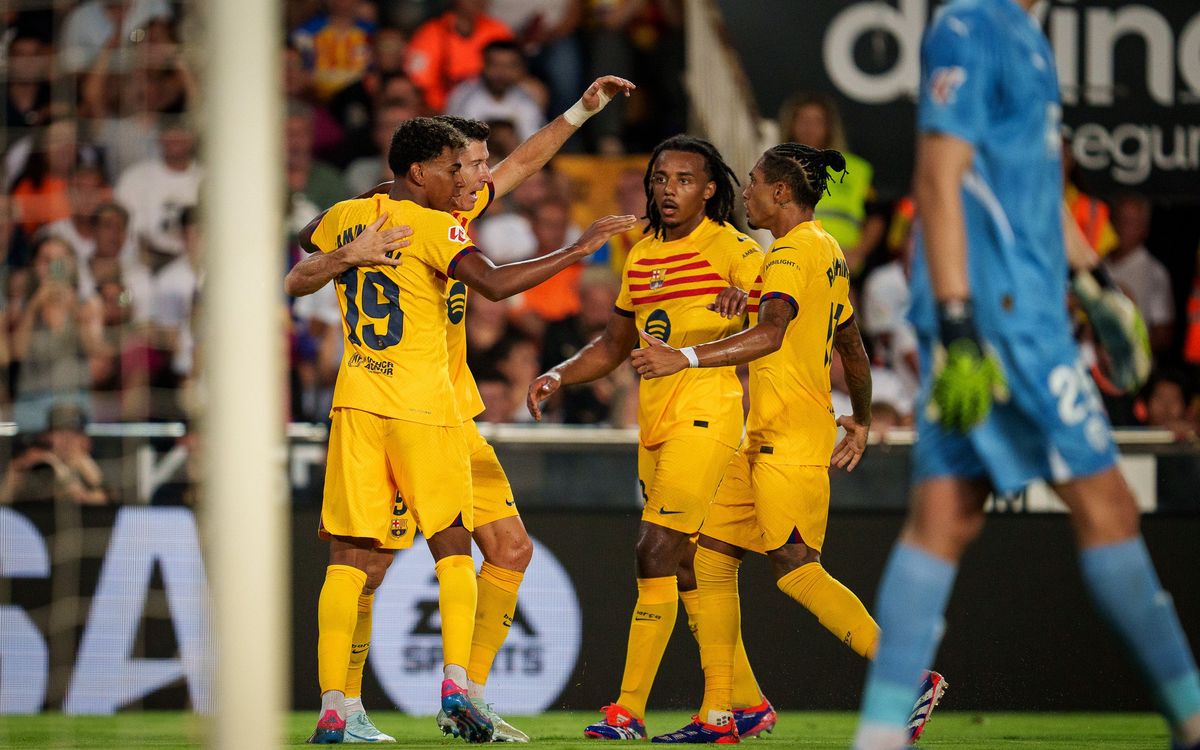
1007,399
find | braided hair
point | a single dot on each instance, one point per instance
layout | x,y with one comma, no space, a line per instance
720,206
802,168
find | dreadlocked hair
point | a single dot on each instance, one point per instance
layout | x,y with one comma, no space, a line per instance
802,168
720,206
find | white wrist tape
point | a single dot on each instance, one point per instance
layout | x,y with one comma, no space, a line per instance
690,353
578,114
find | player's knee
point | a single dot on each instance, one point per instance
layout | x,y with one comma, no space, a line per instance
658,551
514,554
791,557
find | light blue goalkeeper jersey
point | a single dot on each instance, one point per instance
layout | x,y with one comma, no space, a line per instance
987,77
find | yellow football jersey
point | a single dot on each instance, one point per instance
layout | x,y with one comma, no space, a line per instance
791,416
466,393
666,287
394,318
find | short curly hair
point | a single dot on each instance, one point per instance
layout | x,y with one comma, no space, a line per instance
474,130
419,140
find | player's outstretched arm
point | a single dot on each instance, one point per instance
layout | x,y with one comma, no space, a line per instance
765,337
533,154
598,358
501,282
848,342
370,248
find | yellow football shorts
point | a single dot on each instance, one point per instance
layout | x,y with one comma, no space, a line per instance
760,505
386,478
491,495
679,478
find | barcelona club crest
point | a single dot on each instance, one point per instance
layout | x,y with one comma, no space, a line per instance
657,277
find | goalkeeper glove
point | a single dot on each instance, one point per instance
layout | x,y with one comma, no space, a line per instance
1120,329
967,376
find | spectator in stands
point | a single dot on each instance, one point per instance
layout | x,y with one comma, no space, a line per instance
849,211
40,187
116,257
1166,399
54,337
155,191
516,360
27,89
448,49
557,297
312,184
507,231
487,324
884,319
631,201
1090,213
1140,274
499,401
335,47
56,466
87,190
496,94
96,24
599,401
366,172
546,30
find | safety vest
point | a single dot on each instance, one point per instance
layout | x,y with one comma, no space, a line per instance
1091,214
843,209
1191,340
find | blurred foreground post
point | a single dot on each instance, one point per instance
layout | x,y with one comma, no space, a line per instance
243,501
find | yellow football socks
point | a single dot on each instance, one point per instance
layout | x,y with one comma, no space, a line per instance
493,617
720,621
836,606
456,601
336,618
649,631
359,645
746,691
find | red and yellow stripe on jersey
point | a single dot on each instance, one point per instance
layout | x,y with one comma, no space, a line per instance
466,393
394,318
791,416
666,287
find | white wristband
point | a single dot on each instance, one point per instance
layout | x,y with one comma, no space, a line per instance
690,353
578,114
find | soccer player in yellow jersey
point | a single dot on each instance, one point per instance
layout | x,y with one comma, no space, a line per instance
498,532
690,424
398,455
775,496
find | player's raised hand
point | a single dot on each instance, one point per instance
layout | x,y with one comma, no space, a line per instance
602,91
849,451
730,303
656,359
373,247
542,388
601,230
967,376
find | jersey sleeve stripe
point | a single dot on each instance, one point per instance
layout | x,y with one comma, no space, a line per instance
622,312
668,259
783,296
675,295
678,281
685,267
461,254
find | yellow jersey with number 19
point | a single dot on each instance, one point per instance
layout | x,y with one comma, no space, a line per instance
394,318
667,287
791,414
466,393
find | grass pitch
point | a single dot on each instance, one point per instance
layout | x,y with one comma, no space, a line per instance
797,729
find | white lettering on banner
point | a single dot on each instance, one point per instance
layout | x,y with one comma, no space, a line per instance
24,658
1133,150
106,675
154,472
532,667
1104,28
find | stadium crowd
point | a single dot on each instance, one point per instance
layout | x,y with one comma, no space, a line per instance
100,252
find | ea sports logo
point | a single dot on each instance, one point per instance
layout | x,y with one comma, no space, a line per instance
658,325
456,303
532,667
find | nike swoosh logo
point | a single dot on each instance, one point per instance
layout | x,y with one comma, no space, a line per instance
647,619
510,503
357,651
665,512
